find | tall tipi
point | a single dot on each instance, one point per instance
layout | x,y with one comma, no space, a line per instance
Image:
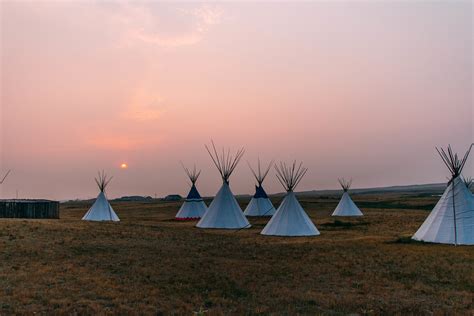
452,219
101,210
193,207
224,211
346,206
290,219
260,204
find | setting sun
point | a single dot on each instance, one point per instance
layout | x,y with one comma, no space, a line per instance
124,166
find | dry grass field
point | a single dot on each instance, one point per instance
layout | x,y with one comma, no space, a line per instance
150,264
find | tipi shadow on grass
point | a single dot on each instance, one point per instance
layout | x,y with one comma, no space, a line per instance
101,210
224,212
290,219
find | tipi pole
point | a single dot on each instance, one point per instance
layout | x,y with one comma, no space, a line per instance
6,175
455,224
110,211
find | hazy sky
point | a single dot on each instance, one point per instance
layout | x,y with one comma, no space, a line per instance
354,89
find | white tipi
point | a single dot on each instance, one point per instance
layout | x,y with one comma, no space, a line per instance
452,219
260,204
193,207
224,211
346,206
290,219
469,183
101,210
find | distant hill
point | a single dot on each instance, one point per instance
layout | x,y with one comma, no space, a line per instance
134,198
432,188
415,188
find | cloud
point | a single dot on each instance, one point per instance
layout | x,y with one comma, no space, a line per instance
134,130
145,105
143,114
164,25
135,127
206,16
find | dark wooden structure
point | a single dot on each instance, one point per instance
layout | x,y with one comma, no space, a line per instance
29,209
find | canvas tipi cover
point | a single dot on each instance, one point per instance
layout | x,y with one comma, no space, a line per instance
469,182
101,210
346,206
224,211
193,207
290,219
260,204
452,219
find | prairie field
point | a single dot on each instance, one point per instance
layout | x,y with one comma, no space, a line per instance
150,264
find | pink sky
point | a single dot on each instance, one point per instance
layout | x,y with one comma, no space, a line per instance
354,89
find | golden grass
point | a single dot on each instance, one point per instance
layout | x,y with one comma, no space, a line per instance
150,264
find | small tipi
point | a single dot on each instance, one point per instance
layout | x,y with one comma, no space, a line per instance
224,211
193,207
101,210
260,204
290,219
452,219
346,206
468,182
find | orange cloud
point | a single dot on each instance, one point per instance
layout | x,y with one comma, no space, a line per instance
144,105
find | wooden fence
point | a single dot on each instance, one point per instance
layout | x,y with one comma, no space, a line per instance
29,209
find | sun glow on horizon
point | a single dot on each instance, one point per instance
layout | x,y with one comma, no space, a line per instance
123,165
